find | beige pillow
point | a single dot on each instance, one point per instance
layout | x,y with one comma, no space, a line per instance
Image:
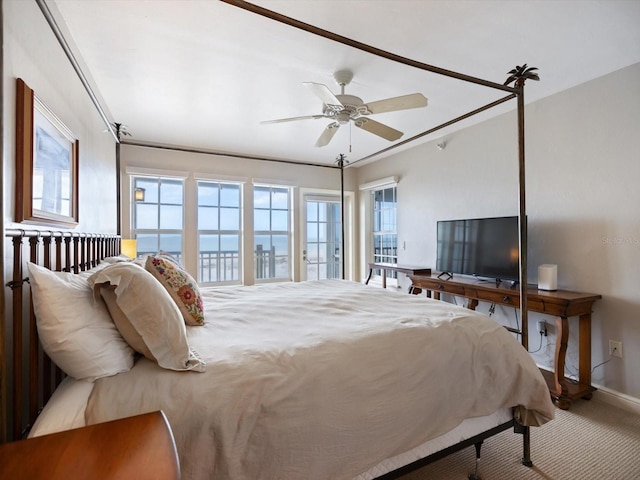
181,286
150,312
128,332
74,330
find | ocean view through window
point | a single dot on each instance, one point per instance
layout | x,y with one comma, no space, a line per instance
219,232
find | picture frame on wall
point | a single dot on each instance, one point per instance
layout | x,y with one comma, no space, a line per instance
47,155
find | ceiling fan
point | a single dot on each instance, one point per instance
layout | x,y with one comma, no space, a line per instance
343,108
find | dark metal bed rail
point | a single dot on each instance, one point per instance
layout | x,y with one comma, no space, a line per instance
31,376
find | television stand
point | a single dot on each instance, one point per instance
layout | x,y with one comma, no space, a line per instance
562,304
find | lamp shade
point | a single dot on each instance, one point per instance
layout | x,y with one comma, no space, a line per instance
128,248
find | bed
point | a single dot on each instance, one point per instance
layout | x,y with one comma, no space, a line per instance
317,380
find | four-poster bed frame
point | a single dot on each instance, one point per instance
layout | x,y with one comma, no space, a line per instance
72,251
516,92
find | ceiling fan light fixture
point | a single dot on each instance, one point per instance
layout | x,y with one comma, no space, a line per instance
343,117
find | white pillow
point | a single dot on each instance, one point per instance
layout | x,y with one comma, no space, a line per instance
116,259
152,314
75,331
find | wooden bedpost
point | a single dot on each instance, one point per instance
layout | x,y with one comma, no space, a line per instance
520,75
16,287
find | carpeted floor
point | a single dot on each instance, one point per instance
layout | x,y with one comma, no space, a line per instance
591,441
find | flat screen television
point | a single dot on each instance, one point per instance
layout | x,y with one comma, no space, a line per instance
482,247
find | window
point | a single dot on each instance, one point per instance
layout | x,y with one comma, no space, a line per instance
272,232
385,237
158,218
219,234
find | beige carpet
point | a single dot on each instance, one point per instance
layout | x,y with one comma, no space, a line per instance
591,441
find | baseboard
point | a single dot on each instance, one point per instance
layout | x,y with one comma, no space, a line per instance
611,397
617,399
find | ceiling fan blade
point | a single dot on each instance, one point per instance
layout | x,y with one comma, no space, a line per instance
323,93
404,102
328,134
292,119
378,129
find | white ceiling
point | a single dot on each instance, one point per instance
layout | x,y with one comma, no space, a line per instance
203,74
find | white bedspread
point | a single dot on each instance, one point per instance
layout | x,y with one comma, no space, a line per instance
323,380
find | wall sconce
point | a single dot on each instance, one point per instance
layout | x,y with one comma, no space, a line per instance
129,247
138,194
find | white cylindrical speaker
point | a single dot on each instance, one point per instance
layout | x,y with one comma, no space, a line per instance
548,277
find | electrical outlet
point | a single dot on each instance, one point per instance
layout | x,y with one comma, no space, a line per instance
542,327
615,348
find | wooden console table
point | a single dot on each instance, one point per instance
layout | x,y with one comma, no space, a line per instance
560,303
395,268
140,447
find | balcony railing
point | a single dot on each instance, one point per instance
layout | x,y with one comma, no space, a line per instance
219,266
386,255
224,265
265,262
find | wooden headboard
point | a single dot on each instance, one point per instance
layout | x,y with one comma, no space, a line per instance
30,376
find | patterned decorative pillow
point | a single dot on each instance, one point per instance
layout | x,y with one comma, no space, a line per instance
180,285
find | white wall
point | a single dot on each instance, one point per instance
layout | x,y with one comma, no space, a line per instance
583,205
32,52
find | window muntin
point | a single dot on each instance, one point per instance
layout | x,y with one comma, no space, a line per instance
219,232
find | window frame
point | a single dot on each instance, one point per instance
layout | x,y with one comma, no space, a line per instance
367,225
271,233
219,231
391,211
135,231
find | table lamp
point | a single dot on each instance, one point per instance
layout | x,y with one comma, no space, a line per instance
128,247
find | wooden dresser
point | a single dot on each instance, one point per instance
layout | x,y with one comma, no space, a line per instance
562,304
140,447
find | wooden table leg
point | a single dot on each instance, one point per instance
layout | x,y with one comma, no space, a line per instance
384,277
584,352
562,328
472,304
